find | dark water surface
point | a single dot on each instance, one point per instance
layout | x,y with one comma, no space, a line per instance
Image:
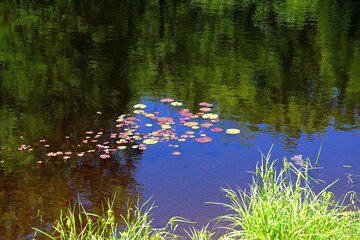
284,72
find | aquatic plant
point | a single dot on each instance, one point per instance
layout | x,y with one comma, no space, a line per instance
141,129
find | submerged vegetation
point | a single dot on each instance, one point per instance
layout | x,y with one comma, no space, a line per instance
279,204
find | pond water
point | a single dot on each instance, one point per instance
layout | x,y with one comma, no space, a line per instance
286,73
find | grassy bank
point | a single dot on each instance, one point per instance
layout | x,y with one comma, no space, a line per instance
279,204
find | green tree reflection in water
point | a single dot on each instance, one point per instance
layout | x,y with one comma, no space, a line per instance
290,68
286,64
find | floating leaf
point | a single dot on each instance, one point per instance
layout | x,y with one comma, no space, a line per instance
148,125
150,141
206,125
191,124
204,139
190,132
89,132
216,129
167,100
195,127
140,105
176,104
210,116
232,131
138,111
165,126
205,109
165,119
68,153
206,104
104,156
176,153
121,147
131,118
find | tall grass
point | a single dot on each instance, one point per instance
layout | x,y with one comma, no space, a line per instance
282,205
78,224
279,204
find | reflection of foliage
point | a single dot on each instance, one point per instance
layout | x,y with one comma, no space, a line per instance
275,62
54,60
282,63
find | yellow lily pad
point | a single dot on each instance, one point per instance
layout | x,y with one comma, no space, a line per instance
150,141
140,105
232,131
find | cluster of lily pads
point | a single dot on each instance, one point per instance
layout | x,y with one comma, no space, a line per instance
142,128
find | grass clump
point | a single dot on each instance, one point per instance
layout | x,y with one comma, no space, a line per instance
282,205
78,224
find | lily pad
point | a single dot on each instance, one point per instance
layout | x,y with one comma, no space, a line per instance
232,131
176,104
140,105
104,156
150,141
166,100
210,116
205,109
206,125
176,153
216,129
191,124
204,139
206,104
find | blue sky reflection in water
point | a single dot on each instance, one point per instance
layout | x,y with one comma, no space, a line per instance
284,74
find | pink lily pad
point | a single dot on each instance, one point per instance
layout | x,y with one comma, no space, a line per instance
216,129
206,125
205,109
206,104
204,139
165,119
104,156
131,118
166,100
